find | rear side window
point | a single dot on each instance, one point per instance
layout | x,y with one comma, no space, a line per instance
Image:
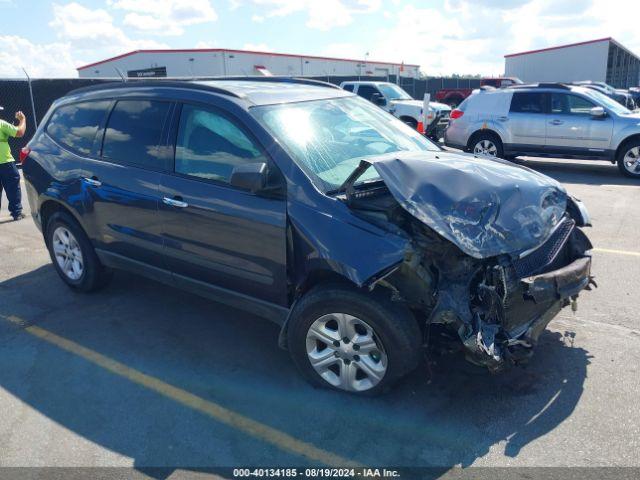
527,102
210,145
348,87
133,134
75,126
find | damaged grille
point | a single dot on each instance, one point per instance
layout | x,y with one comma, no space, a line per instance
546,253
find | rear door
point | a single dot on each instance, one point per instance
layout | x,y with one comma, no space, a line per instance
572,130
124,187
214,233
526,121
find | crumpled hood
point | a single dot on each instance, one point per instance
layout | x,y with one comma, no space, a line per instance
486,207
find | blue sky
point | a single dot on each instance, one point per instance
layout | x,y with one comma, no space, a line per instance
443,36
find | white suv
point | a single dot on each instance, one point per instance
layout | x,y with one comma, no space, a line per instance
398,102
547,120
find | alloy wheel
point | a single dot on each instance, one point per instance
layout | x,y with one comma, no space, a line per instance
346,352
486,147
67,253
631,161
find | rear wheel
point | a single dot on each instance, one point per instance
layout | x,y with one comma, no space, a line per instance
344,339
72,254
487,144
629,159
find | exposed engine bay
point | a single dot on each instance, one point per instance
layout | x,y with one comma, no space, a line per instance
494,280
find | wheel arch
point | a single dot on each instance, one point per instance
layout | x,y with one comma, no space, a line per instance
49,206
481,131
622,145
408,118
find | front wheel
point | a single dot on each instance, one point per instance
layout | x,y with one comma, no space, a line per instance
629,159
345,339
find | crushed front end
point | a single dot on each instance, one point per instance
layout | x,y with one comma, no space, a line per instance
510,301
496,251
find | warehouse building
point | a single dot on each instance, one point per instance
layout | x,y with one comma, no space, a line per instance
602,60
224,62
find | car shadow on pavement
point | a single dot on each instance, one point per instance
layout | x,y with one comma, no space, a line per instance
454,415
579,172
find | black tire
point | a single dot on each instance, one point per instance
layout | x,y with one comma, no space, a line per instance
624,149
393,325
94,275
487,137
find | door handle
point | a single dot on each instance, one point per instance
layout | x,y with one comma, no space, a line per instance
503,119
556,122
93,181
175,202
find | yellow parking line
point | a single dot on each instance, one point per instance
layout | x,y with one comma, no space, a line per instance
219,413
617,252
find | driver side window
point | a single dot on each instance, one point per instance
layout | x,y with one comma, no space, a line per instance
565,104
367,91
209,145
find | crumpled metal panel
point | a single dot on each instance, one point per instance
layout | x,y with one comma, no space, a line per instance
486,207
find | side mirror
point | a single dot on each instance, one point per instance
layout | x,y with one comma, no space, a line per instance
378,99
597,112
249,176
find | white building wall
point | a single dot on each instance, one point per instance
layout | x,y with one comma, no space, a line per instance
220,63
569,64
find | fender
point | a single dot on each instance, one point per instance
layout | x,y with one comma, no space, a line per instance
632,130
324,242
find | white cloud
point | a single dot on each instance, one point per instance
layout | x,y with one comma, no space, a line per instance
164,17
50,60
89,30
257,18
472,36
321,14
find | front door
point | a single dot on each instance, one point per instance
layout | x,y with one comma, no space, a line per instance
572,130
215,233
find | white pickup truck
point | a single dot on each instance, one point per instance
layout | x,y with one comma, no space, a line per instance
396,101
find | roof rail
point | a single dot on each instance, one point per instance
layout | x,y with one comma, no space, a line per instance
193,82
279,79
560,85
132,83
564,86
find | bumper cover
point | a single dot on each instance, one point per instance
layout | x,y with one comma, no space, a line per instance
563,283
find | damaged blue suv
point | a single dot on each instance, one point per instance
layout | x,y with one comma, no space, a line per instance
311,207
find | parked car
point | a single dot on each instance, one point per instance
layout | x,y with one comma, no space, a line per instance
548,120
311,207
454,96
635,94
398,102
623,97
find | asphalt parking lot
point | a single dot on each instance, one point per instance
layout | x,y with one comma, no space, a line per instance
140,374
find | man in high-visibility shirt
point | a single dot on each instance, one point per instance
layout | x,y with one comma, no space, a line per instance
9,175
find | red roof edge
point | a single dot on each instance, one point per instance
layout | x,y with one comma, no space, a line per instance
200,50
606,39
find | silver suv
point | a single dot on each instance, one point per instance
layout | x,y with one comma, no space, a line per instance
547,120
